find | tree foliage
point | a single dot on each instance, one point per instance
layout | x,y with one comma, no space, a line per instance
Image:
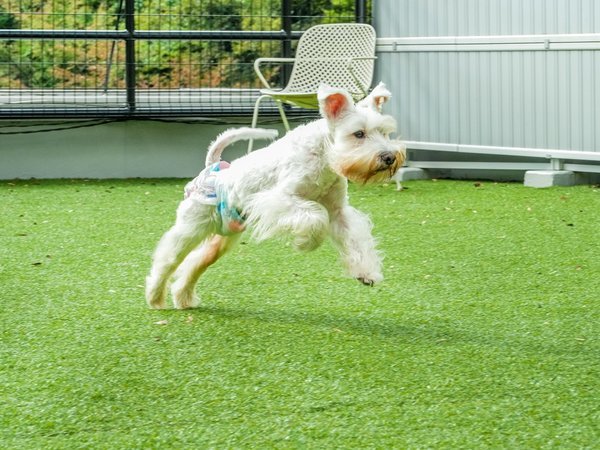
160,63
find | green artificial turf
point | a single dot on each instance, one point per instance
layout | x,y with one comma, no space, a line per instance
484,333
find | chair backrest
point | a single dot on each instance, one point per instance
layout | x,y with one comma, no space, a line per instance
321,54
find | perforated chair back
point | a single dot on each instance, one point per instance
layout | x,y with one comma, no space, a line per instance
340,55
322,56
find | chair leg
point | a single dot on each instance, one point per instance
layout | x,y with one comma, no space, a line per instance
279,104
255,119
283,116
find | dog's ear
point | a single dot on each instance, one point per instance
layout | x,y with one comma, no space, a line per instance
334,103
375,100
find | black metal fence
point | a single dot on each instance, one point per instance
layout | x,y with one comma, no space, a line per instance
119,58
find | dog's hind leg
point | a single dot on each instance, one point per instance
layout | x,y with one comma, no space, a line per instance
194,265
193,225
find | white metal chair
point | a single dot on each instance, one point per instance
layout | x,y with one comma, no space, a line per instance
340,55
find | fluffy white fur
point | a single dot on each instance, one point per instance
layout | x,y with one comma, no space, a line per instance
296,186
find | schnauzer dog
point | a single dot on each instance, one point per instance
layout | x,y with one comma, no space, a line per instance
295,186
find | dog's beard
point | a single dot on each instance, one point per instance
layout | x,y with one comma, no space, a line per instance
368,170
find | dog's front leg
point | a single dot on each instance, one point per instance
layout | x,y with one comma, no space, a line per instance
351,234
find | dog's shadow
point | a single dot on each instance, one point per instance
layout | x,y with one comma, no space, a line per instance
367,326
432,333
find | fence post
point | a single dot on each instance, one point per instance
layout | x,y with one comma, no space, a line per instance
130,68
360,11
286,44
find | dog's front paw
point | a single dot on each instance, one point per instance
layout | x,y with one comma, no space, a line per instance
366,281
370,280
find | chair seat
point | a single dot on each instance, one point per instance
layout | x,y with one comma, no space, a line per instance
306,100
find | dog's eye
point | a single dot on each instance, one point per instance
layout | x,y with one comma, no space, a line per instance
359,134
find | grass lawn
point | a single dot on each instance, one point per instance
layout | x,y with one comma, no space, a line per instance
483,335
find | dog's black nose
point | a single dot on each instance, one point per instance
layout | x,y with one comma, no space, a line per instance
387,158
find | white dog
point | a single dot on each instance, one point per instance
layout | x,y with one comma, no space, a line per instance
296,186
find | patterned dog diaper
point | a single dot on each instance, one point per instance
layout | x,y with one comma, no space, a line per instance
204,189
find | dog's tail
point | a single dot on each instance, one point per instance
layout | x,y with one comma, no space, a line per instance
232,135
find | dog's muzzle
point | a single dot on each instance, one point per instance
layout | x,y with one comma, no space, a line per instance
386,164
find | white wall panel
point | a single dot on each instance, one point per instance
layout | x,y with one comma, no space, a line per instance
515,93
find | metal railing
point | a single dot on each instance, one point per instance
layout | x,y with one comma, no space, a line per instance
129,60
